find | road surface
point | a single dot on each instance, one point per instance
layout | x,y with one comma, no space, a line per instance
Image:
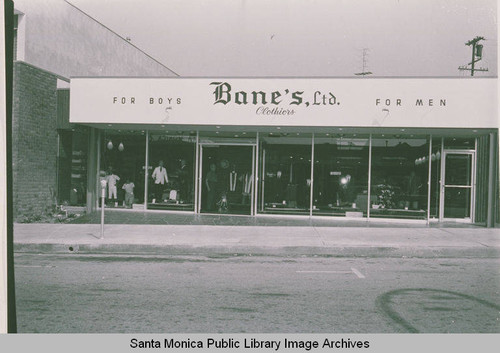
84,293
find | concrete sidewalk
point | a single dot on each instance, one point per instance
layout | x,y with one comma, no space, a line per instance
269,240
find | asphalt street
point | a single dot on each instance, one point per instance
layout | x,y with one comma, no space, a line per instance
109,293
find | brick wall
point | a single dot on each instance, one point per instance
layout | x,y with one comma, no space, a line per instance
34,138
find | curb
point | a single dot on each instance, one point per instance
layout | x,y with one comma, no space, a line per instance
285,251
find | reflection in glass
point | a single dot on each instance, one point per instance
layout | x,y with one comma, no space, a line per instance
399,177
458,169
285,174
468,143
72,167
171,171
340,175
457,202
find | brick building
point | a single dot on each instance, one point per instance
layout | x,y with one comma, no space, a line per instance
53,41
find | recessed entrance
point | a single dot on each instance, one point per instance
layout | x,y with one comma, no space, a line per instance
226,183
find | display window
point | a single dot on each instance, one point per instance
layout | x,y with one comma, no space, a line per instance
72,167
290,173
122,161
399,176
285,184
341,175
171,170
226,179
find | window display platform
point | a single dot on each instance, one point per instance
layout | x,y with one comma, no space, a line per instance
281,209
398,213
171,206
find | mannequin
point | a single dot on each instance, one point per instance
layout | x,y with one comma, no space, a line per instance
160,177
111,180
184,173
211,181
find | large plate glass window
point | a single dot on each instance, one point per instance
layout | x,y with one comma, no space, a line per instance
171,169
72,167
400,165
122,163
341,175
285,186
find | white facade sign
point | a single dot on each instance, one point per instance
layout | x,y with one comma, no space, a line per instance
437,103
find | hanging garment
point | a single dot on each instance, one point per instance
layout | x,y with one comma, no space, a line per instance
247,183
232,180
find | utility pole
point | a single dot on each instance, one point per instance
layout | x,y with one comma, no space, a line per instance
477,55
363,71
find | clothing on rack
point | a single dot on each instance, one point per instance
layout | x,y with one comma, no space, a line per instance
233,177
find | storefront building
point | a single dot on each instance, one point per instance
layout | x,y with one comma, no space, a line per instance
412,149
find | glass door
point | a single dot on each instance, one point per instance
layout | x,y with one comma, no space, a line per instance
457,191
226,183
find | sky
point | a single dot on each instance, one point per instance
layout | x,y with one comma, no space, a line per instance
306,38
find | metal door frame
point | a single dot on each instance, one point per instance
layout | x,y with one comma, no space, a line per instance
199,175
472,186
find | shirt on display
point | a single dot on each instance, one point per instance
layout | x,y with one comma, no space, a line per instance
129,188
112,179
160,175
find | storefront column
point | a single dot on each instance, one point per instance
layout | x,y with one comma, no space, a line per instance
92,170
429,181
252,194
490,217
311,191
256,175
196,171
368,206
146,172
441,181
